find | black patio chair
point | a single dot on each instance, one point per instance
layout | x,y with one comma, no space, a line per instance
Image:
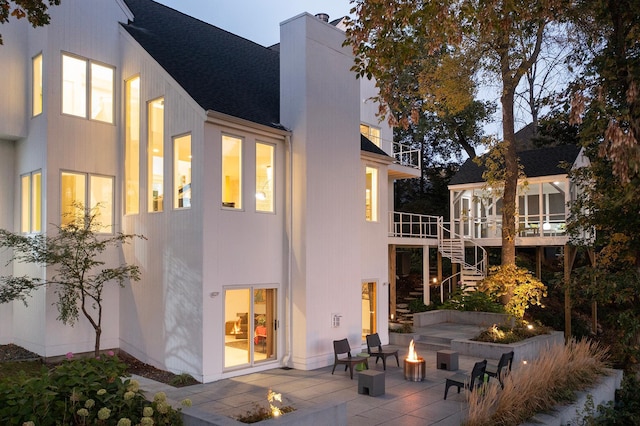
341,347
467,381
374,348
495,370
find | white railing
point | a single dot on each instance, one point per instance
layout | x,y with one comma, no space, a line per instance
406,156
403,224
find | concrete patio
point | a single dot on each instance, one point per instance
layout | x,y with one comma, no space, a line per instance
404,402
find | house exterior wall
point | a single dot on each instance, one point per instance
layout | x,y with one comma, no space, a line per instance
15,71
7,183
319,102
161,315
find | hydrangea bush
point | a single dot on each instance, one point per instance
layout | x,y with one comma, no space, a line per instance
90,391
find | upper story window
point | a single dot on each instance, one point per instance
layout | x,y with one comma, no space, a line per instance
89,191
36,73
371,133
231,172
371,194
264,177
155,151
132,146
182,172
87,89
31,202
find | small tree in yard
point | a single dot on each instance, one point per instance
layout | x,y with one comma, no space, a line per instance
74,253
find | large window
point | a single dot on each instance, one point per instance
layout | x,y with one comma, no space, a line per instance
132,146
85,83
36,71
182,172
31,202
264,177
156,154
371,194
372,133
88,191
231,172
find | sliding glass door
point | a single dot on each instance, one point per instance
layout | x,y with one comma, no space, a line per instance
250,326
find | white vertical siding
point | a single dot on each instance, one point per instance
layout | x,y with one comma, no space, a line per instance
15,71
320,104
7,185
161,316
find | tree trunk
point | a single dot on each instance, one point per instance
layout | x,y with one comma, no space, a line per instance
509,197
96,348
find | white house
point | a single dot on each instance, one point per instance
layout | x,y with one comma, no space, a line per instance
261,178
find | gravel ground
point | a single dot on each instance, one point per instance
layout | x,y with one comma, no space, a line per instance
13,352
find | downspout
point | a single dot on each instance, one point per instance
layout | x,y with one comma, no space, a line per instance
286,360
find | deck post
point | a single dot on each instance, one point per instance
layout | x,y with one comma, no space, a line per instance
426,278
569,257
392,281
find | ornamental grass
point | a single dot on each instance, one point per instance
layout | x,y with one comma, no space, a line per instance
552,379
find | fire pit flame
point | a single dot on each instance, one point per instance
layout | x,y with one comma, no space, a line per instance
414,366
412,355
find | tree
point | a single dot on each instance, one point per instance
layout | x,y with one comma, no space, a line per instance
78,274
609,87
454,42
34,10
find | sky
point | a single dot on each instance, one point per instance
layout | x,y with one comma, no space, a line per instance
256,20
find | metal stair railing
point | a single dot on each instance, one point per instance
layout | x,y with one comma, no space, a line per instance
454,247
402,224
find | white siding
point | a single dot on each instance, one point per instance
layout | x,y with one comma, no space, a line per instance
7,184
320,104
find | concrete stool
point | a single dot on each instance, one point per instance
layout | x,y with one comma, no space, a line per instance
447,360
371,382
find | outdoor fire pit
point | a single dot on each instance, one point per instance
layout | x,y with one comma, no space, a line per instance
414,366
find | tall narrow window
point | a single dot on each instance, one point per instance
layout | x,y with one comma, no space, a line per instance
73,193
25,195
36,202
132,146
37,85
101,198
231,172
74,86
156,155
30,202
371,133
371,194
182,172
102,93
82,86
264,177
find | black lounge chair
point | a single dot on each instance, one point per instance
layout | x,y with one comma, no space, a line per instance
341,347
374,348
472,381
495,370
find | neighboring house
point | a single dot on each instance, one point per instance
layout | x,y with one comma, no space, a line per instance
543,207
261,178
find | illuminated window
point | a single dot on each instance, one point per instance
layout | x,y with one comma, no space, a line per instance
264,177
31,202
156,154
371,133
182,172
37,85
132,146
97,194
231,172
77,76
371,194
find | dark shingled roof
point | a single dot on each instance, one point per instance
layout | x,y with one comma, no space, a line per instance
536,162
221,71
367,145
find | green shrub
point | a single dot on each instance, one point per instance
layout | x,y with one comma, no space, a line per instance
82,392
517,284
476,301
626,408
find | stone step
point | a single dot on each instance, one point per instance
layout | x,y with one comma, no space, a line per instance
402,305
422,346
403,311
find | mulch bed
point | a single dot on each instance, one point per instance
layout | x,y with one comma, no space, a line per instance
12,352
